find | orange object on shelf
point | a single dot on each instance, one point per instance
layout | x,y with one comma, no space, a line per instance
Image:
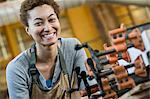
109,93
140,69
121,74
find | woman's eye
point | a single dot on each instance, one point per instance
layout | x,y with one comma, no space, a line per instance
52,20
38,24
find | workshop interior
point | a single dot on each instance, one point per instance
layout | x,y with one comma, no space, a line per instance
114,33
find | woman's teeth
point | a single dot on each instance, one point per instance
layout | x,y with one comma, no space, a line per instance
49,35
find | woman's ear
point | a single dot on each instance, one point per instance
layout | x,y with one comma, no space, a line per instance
27,30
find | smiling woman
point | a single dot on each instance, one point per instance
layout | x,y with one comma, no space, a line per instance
46,69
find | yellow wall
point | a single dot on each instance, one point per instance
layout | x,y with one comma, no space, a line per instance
83,25
12,39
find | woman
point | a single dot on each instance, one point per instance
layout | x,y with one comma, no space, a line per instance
46,70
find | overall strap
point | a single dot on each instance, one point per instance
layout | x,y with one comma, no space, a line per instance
64,69
32,69
62,62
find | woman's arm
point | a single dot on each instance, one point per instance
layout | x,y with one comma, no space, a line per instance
17,81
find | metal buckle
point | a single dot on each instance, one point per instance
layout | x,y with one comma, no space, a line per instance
33,71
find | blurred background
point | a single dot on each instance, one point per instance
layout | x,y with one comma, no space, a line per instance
87,20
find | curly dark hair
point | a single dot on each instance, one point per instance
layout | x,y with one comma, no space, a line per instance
30,4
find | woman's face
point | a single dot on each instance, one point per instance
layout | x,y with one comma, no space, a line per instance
43,25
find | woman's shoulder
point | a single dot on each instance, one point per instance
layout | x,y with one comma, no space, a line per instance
21,61
70,41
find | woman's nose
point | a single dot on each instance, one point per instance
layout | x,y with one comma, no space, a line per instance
47,27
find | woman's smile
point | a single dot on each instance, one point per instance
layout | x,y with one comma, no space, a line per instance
49,37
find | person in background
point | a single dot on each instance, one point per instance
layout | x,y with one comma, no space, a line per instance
47,69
